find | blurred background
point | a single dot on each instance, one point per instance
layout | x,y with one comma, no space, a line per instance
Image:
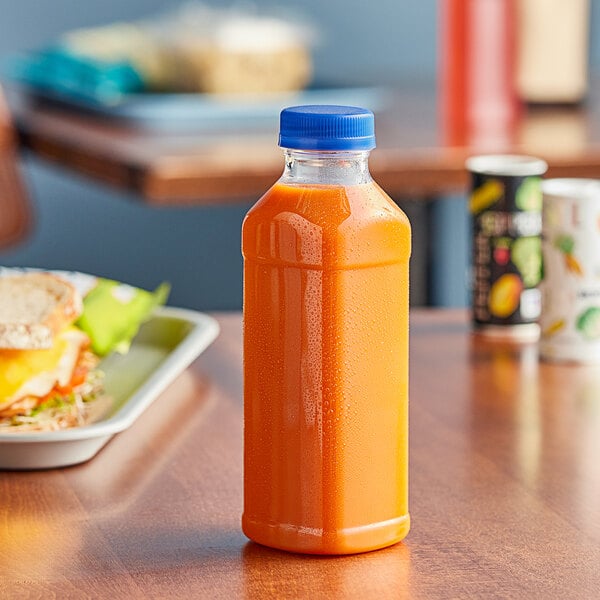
83,225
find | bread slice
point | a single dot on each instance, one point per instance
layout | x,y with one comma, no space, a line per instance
34,307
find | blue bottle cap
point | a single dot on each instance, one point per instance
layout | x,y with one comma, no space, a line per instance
327,127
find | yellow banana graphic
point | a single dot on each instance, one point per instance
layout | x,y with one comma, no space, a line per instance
485,195
554,327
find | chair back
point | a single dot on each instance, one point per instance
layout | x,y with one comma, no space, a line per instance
15,211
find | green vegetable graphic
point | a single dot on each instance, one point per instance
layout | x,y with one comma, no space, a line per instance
527,257
565,243
529,195
588,322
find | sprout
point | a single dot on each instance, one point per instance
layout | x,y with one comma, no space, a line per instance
588,323
565,243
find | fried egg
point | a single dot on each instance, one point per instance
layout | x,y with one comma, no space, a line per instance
36,372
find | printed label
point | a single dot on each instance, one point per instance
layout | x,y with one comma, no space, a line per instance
507,251
570,323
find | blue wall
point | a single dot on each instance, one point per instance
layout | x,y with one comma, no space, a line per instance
86,226
367,41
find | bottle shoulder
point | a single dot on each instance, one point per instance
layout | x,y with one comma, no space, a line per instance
328,204
320,224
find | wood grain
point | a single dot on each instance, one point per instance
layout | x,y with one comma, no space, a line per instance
505,490
414,158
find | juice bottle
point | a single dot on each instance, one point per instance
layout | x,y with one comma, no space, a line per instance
326,255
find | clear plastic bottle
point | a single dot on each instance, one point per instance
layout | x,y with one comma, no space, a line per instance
326,256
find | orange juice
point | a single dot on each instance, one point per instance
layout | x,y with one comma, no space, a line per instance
326,360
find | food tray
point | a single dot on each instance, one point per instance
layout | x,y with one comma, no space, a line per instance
203,112
164,347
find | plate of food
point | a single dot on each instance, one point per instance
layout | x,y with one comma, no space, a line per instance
200,67
81,358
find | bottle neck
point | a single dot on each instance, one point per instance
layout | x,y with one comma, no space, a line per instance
326,168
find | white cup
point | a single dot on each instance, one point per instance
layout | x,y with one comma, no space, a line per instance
570,320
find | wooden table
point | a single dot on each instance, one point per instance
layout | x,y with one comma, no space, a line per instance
416,156
505,491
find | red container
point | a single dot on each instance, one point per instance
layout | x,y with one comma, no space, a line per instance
478,102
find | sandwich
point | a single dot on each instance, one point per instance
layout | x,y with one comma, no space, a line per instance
48,374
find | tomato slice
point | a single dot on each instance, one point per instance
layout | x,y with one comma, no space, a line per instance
80,373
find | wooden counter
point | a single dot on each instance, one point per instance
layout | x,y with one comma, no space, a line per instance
505,491
416,157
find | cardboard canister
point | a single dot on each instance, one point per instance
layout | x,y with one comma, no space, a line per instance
570,320
506,213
